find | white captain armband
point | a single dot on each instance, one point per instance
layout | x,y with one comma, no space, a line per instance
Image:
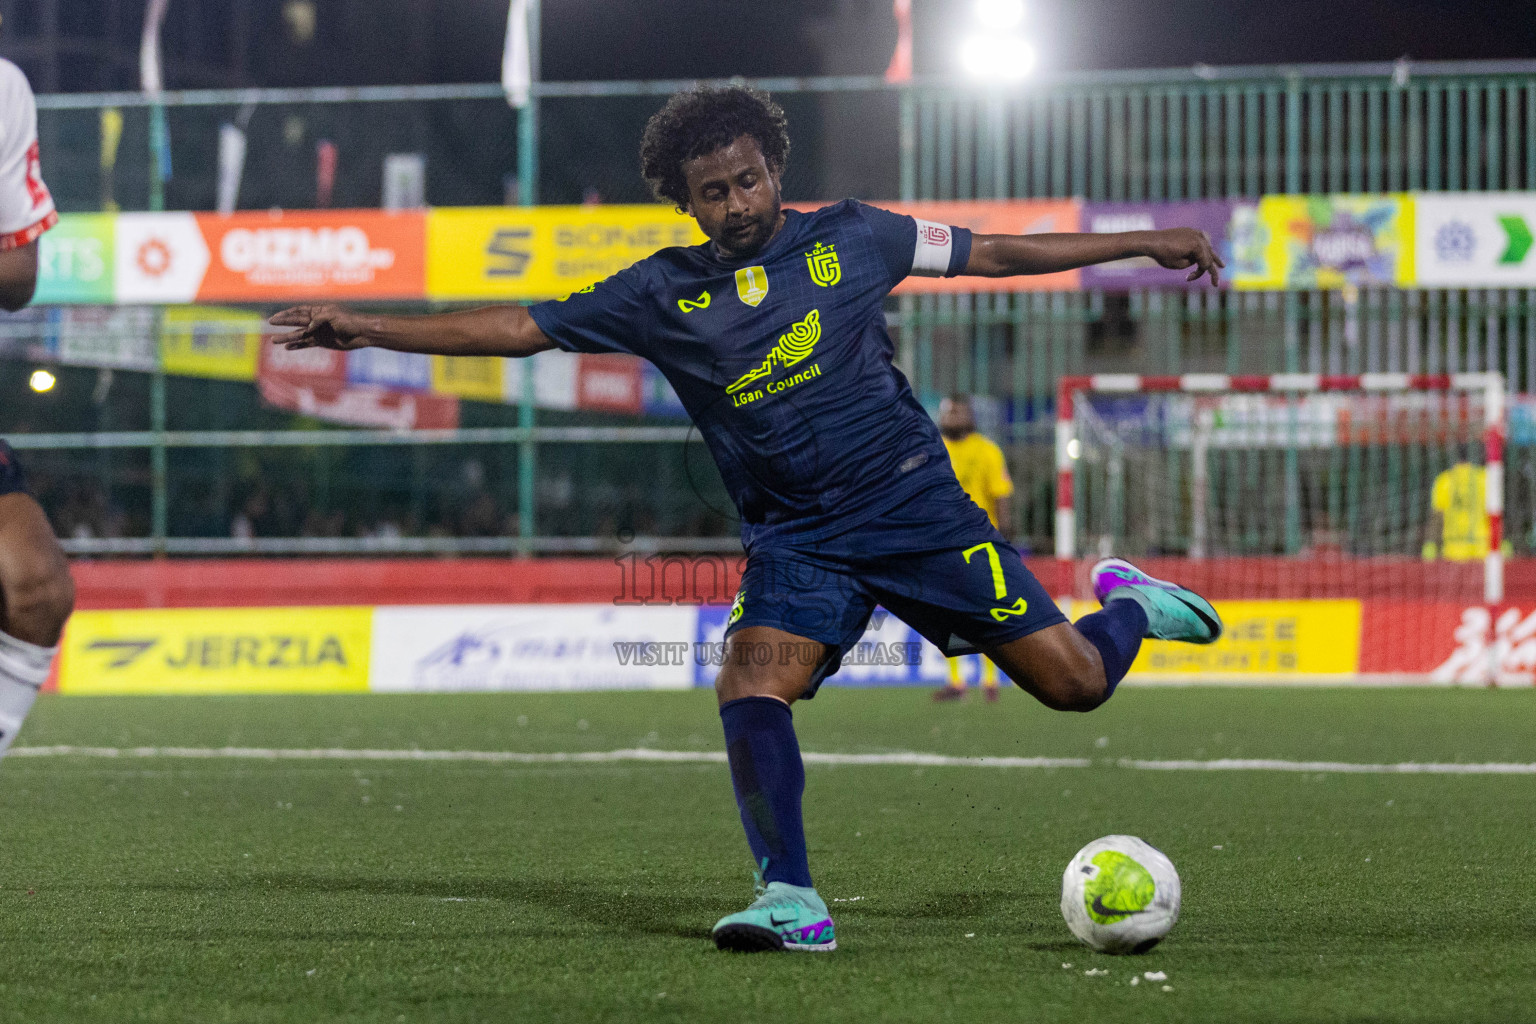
935,249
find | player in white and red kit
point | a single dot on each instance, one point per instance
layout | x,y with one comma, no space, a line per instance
36,592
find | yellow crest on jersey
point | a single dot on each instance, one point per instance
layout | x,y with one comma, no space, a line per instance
751,285
822,261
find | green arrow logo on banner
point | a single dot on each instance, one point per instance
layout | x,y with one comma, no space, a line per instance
1519,238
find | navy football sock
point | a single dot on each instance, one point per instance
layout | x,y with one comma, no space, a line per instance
1117,632
769,779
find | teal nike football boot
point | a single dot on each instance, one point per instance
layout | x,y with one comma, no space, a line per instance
783,916
1173,613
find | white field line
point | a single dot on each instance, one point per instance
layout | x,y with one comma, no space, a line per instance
903,759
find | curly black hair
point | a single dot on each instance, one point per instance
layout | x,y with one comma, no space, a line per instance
702,120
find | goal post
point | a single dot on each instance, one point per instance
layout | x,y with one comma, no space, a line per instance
1385,489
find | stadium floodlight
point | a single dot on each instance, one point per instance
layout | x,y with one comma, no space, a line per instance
999,57
1000,15
42,381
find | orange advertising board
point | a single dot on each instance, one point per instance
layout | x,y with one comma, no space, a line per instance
285,256
989,217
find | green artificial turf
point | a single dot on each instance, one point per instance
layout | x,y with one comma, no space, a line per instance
242,890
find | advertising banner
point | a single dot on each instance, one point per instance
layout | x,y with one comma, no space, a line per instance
1214,217
217,650
1476,240
401,371
609,383
476,377
1327,241
890,653
160,257
542,252
113,337
313,381
1278,242
577,640
76,260
443,649
988,217
1002,216
329,254
30,333
207,341
554,379
1266,638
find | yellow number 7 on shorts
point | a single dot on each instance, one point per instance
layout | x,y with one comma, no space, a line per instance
998,582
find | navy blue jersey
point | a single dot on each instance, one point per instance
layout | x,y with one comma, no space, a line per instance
784,363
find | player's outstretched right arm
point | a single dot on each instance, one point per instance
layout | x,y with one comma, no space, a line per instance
487,331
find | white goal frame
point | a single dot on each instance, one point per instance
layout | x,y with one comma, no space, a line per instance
1071,388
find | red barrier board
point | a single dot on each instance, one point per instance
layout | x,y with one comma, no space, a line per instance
1419,620
233,583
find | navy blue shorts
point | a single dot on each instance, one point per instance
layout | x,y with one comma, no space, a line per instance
937,563
11,479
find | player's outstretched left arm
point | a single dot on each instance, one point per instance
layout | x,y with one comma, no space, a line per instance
1009,255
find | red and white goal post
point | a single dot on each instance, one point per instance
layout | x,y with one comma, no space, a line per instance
1351,526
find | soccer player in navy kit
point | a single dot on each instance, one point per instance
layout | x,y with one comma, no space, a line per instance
773,335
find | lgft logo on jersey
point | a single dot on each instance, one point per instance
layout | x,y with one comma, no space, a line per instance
823,265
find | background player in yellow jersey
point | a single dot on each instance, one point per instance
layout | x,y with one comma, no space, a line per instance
983,473
1459,499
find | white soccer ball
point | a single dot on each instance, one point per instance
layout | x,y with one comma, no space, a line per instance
1120,895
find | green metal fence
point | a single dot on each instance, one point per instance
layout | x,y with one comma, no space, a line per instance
1157,135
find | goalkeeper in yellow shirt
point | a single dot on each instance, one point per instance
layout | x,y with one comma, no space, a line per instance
1459,501
983,473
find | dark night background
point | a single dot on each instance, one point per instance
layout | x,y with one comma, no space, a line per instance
843,144
246,42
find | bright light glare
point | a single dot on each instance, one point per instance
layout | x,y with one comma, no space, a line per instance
1074,450
998,57
1000,15
42,381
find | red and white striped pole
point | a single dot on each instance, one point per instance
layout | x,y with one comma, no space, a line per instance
1066,515
1493,492
1493,506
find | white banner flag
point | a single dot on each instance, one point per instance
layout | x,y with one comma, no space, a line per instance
231,167
150,78
516,59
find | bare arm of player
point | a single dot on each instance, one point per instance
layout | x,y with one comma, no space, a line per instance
18,276
1008,255
487,331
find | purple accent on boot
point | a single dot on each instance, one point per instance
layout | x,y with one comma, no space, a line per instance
1113,573
811,935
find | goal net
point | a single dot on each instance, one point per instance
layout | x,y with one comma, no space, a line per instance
1349,526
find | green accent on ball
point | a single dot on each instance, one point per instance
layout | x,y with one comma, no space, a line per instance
1121,887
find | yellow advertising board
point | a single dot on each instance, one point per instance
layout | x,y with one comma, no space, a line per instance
1326,242
210,341
217,650
480,378
544,252
1266,638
